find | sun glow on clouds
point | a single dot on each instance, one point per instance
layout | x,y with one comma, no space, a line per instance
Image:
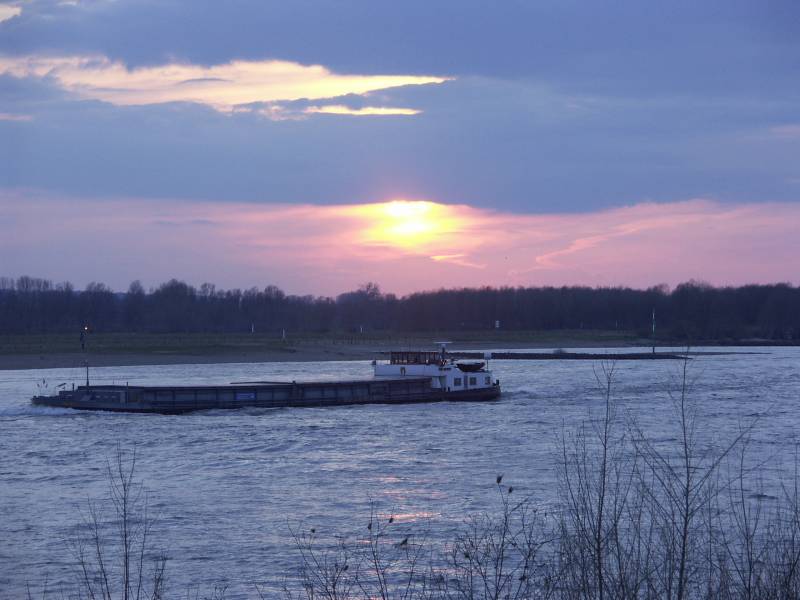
340,109
403,245
416,226
222,86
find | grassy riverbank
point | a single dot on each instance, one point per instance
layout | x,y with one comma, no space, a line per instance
107,349
120,349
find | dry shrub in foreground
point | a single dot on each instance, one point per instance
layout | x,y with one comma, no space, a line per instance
494,556
114,555
113,552
636,519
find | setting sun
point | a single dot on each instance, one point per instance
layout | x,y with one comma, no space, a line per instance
414,225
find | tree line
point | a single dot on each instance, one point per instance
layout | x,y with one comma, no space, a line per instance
691,311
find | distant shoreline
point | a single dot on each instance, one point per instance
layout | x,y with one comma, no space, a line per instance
110,350
69,360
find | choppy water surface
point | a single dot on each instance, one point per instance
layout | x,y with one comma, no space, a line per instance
228,485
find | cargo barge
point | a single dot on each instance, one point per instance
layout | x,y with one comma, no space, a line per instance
408,377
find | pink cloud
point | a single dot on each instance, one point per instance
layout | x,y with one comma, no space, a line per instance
4,116
791,131
404,246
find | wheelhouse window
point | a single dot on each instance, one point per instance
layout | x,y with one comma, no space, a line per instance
473,381
416,358
457,382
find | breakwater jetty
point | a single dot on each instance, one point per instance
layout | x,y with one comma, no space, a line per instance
577,355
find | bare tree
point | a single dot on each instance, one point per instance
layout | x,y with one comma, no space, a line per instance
500,556
324,571
496,556
601,522
683,483
113,553
381,563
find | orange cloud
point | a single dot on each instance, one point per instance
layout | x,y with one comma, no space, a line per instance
404,245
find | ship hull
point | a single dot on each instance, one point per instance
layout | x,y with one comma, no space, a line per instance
184,399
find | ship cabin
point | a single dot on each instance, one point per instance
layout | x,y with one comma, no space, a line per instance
446,374
417,358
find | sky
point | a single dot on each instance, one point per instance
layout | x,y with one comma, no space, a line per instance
320,145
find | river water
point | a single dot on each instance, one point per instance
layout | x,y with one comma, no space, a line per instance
229,486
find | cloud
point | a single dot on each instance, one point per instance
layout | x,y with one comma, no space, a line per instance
788,132
341,109
540,128
14,117
404,245
681,46
221,86
517,145
9,11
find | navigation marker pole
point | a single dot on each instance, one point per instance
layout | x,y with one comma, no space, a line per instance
654,331
84,336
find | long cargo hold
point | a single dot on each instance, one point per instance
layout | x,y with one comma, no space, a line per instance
408,377
182,399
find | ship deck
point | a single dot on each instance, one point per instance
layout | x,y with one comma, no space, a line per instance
170,399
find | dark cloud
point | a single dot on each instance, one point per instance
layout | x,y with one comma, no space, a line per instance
28,93
557,105
632,45
480,141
